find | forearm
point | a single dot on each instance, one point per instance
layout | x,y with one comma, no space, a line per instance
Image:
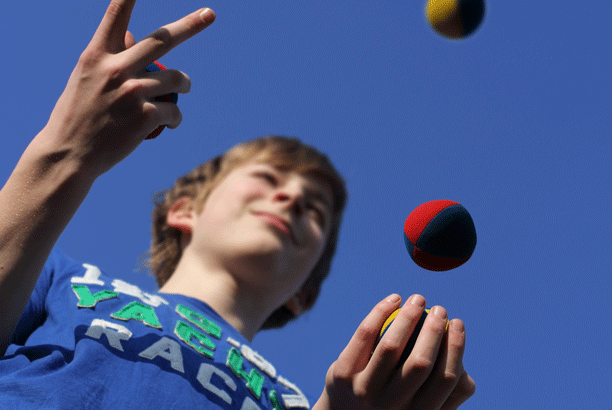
108,107
36,203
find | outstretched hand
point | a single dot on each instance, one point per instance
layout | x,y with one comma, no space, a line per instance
368,376
108,106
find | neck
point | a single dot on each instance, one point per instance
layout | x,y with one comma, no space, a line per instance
216,286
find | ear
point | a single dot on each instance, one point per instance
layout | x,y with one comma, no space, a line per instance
182,215
295,305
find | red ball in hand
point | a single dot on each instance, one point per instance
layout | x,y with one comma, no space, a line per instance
440,235
173,97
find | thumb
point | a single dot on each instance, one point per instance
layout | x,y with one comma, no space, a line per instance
129,40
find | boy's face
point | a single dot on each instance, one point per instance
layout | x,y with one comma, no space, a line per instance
267,226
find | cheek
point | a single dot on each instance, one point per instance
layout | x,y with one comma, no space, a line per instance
252,191
244,192
231,199
317,242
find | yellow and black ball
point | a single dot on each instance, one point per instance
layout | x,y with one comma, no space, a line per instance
413,337
455,18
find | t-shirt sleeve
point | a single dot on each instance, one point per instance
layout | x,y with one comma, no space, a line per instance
35,312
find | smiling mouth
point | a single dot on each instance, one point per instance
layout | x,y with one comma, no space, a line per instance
277,222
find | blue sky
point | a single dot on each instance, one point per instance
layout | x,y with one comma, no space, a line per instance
514,122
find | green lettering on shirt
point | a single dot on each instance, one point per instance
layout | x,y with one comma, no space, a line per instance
138,311
274,400
89,300
186,333
200,321
254,380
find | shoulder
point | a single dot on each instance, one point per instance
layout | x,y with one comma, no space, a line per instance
59,265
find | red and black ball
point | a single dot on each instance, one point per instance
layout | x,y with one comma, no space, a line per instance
173,97
440,235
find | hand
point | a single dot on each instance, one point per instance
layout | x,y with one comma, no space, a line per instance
108,106
431,378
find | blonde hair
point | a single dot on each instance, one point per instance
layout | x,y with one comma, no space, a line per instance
282,152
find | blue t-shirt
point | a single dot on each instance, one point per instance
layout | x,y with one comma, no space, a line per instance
86,341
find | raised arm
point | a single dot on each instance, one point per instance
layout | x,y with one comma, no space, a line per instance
106,110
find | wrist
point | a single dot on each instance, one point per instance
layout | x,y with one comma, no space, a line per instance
45,161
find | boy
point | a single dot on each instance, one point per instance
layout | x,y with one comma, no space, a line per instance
240,244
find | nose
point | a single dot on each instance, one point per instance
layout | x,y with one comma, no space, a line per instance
291,199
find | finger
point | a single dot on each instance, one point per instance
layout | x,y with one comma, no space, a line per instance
129,40
385,359
110,34
170,114
175,114
463,391
447,371
161,113
166,38
356,354
155,84
422,359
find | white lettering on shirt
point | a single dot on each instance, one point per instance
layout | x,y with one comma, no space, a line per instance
128,289
168,349
293,400
114,336
92,273
249,404
205,373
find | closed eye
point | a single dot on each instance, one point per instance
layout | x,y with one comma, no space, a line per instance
268,177
318,213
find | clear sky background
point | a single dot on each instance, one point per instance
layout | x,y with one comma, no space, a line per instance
514,122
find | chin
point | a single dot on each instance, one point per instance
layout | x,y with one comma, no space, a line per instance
268,243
